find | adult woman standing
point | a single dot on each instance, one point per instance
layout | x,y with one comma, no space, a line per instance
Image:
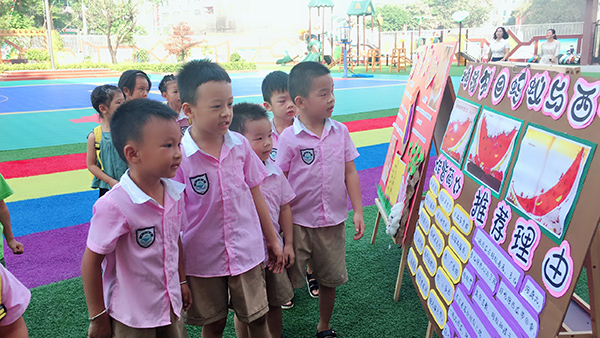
550,48
499,47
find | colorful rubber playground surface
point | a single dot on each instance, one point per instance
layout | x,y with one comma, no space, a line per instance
43,127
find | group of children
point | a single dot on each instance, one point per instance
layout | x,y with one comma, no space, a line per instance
206,206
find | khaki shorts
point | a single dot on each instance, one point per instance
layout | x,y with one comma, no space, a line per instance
175,330
326,248
279,288
210,297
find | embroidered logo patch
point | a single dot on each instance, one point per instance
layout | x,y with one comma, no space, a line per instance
308,155
200,184
273,154
145,237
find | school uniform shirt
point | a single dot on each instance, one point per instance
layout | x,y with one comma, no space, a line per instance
140,240
224,237
277,192
183,121
15,297
316,172
275,138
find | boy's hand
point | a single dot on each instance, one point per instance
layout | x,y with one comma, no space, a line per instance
100,327
359,226
186,295
16,247
276,261
288,256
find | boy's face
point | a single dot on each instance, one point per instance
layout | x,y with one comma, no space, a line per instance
282,106
172,96
320,100
141,89
258,132
158,153
212,112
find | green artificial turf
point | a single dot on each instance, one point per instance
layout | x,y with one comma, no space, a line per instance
29,153
364,305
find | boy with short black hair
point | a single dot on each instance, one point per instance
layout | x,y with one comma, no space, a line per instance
251,120
132,268
223,246
277,100
317,155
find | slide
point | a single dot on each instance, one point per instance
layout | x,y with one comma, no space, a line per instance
312,57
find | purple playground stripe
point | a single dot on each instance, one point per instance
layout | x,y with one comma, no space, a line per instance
369,179
50,256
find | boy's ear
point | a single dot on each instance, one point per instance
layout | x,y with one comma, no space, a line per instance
268,106
131,154
187,109
300,102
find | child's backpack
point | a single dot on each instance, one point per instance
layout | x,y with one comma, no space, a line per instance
97,139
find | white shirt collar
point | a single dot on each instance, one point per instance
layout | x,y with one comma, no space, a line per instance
173,188
271,168
190,146
299,126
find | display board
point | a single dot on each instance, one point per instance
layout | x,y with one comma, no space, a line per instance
508,218
413,131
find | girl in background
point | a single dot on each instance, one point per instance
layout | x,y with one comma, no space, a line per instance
135,84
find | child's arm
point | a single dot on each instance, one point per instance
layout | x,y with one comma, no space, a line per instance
91,276
275,262
287,226
186,294
353,186
90,161
16,247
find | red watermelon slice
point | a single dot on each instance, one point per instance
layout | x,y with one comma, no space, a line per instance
492,149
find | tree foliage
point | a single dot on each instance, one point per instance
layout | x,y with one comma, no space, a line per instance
114,18
29,14
180,41
549,11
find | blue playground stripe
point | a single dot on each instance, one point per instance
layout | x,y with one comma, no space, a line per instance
371,156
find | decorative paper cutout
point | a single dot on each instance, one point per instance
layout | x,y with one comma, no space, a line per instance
485,82
556,101
457,320
434,185
450,176
444,285
452,265
500,220
501,260
474,319
474,81
525,239
424,219
429,260
485,270
462,219
397,180
464,80
518,87
430,203
459,244
584,103
411,259
416,157
557,270
446,202
492,149
437,309
468,278
500,86
459,130
559,165
499,320
442,220
422,282
520,311
533,294
481,206
538,88
427,61
419,240
385,173
448,330
432,71
436,240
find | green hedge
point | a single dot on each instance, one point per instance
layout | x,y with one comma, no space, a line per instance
121,67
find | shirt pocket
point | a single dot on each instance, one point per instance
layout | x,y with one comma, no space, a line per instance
334,152
234,178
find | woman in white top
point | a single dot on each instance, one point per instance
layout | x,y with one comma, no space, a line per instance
499,47
550,48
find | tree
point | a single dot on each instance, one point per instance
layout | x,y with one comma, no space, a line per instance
115,19
29,14
537,11
442,10
180,41
394,18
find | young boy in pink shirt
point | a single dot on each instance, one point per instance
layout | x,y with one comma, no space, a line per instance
132,269
251,120
278,101
228,216
317,155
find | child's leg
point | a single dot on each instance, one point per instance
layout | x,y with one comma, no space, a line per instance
326,303
209,305
249,300
274,321
215,329
241,328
